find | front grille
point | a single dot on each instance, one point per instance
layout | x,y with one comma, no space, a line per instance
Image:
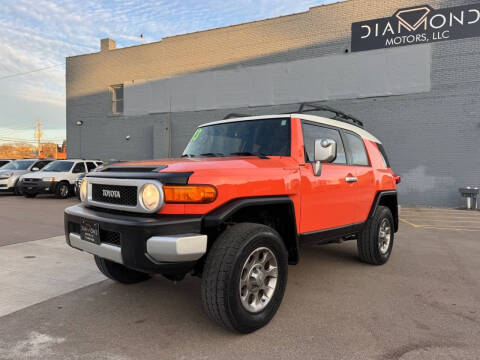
74,227
110,237
30,180
106,236
115,194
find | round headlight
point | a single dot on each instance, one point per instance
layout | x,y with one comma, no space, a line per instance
151,197
83,189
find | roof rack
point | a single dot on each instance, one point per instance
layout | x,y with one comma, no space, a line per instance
234,115
339,115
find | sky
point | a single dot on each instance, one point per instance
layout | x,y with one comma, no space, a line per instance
37,35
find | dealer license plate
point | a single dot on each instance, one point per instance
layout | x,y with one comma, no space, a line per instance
90,231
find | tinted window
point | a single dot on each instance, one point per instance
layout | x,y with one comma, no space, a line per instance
18,165
79,168
313,132
3,162
384,155
91,166
59,166
41,164
265,136
357,149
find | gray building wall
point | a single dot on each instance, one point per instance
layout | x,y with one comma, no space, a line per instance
428,122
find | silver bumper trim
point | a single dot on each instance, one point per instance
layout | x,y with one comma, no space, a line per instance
177,248
110,252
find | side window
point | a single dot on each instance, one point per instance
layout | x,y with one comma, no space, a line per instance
79,168
91,166
357,149
312,132
40,164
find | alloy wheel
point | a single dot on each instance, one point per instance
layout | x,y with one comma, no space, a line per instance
384,236
258,279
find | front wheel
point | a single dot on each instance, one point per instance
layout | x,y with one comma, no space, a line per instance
244,277
62,191
375,242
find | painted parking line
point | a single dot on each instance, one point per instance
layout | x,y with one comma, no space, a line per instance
441,219
36,271
433,209
427,226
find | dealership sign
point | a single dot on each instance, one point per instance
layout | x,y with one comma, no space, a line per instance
417,25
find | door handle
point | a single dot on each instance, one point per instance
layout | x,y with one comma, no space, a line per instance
351,179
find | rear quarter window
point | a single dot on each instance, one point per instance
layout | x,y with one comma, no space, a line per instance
384,155
358,153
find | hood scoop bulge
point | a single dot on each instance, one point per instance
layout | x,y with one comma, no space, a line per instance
134,169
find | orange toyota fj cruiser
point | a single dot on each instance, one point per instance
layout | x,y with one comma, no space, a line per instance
237,205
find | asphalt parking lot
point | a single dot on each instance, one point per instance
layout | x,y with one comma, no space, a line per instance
423,304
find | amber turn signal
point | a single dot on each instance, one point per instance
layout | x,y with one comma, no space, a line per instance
189,194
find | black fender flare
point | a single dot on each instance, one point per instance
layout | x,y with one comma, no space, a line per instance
394,205
220,215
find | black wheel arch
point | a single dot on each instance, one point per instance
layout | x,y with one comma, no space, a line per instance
389,199
277,212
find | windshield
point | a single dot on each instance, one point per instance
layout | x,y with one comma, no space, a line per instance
265,137
59,166
18,165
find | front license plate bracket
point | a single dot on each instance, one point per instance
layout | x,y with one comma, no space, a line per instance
90,231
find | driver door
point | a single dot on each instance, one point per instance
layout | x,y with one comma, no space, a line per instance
327,201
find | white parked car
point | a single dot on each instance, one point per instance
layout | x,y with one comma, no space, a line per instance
11,172
57,178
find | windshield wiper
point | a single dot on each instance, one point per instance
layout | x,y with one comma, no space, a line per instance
247,153
212,154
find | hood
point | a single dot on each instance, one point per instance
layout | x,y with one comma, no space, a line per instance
233,177
209,163
14,172
42,174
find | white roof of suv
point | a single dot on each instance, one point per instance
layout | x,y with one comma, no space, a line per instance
319,119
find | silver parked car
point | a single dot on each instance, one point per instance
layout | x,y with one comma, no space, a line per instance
11,172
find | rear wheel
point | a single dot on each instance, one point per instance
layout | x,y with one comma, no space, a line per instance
375,242
244,277
119,273
62,191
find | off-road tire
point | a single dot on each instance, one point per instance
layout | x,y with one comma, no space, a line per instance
59,190
119,273
368,239
222,271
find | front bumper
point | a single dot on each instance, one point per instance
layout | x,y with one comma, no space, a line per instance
37,187
8,184
164,244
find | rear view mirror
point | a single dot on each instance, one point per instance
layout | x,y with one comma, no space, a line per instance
325,152
35,169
